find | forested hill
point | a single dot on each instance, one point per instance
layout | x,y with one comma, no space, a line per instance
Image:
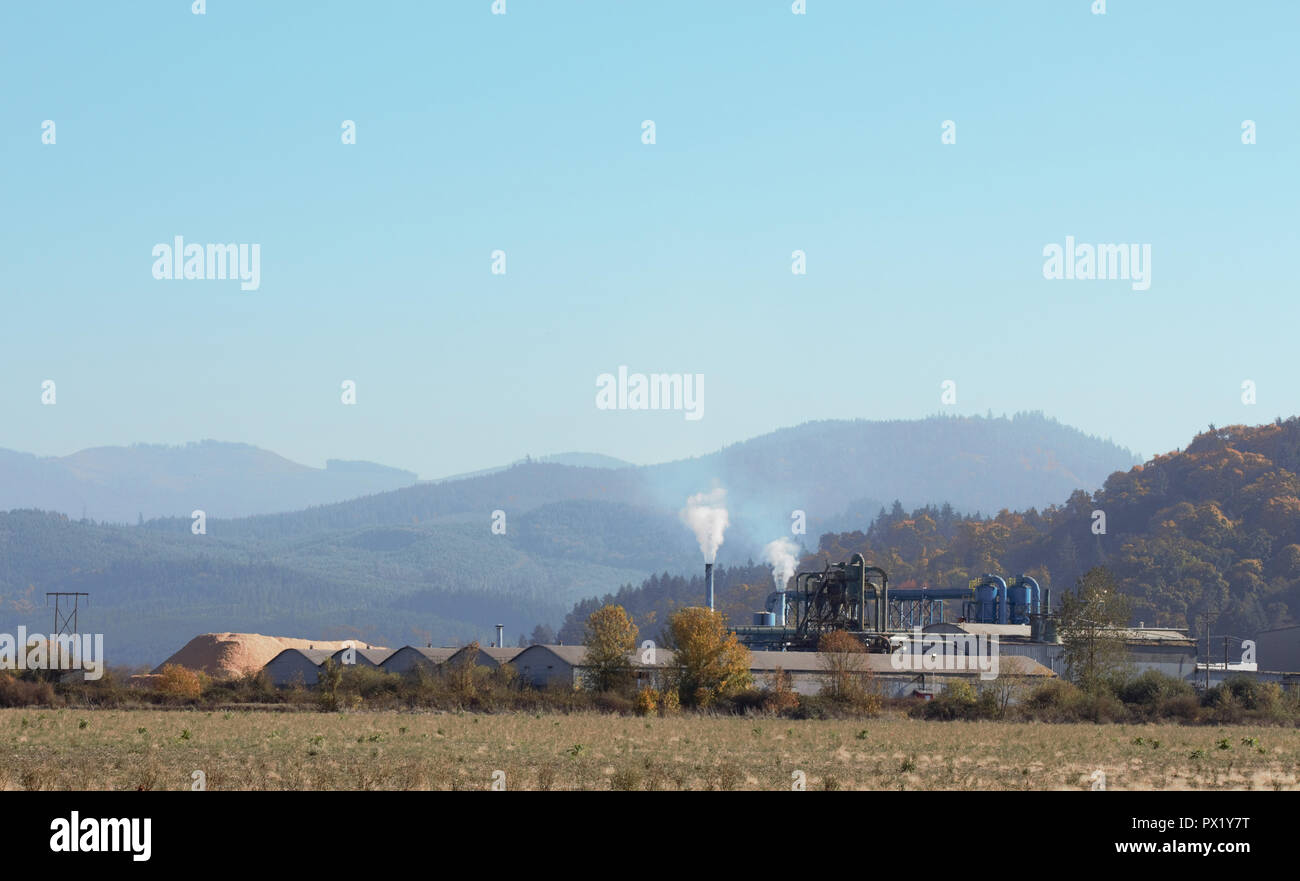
423,563
973,463
1214,529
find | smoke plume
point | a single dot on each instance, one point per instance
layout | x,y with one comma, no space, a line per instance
706,515
780,555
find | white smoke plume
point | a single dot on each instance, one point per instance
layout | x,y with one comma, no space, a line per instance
706,515
780,555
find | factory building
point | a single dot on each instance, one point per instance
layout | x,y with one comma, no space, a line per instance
551,666
810,671
361,656
565,666
490,656
1015,613
1278,650
410,657
296,665
1168,651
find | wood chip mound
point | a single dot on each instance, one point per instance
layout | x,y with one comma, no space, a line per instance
229,655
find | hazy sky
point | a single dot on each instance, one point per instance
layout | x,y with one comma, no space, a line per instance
774,132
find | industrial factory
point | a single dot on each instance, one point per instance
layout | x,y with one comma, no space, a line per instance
1008,615
855,597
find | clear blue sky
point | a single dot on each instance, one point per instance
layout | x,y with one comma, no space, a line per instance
522,132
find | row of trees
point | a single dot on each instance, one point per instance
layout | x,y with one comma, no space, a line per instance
708,661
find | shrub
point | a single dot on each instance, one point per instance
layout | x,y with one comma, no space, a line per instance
327,682
613,702
17,692
745,702
1184,707
1152,687
178,682
1054,699
960,700
368,683
462,676
647,702
1101,706
780,696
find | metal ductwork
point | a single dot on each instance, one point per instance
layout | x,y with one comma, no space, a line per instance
881,595
1034,592
991,599
1049,623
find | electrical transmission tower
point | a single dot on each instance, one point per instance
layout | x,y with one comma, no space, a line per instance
65,610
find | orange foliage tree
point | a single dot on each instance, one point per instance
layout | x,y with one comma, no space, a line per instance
710,661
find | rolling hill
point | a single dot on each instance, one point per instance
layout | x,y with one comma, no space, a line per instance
422,562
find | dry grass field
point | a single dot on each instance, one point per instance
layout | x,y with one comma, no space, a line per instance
148,749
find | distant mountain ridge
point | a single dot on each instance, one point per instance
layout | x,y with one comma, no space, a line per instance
577,460
123,484
422,562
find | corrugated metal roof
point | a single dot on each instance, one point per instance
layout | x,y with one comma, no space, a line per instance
576,655
1153,634
498,655
374,656
437,653
316,656
502,654
974,629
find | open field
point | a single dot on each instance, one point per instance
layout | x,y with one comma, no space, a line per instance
150,749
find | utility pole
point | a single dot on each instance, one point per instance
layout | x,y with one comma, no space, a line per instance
65,619
1205,618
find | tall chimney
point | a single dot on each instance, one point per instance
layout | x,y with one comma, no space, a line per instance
501,635
708,583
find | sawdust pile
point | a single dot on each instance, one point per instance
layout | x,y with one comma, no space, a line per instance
227,655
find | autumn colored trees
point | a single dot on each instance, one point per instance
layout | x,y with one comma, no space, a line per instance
610,638
710,662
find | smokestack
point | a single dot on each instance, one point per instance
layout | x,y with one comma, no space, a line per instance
780,554
708,584
501,635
